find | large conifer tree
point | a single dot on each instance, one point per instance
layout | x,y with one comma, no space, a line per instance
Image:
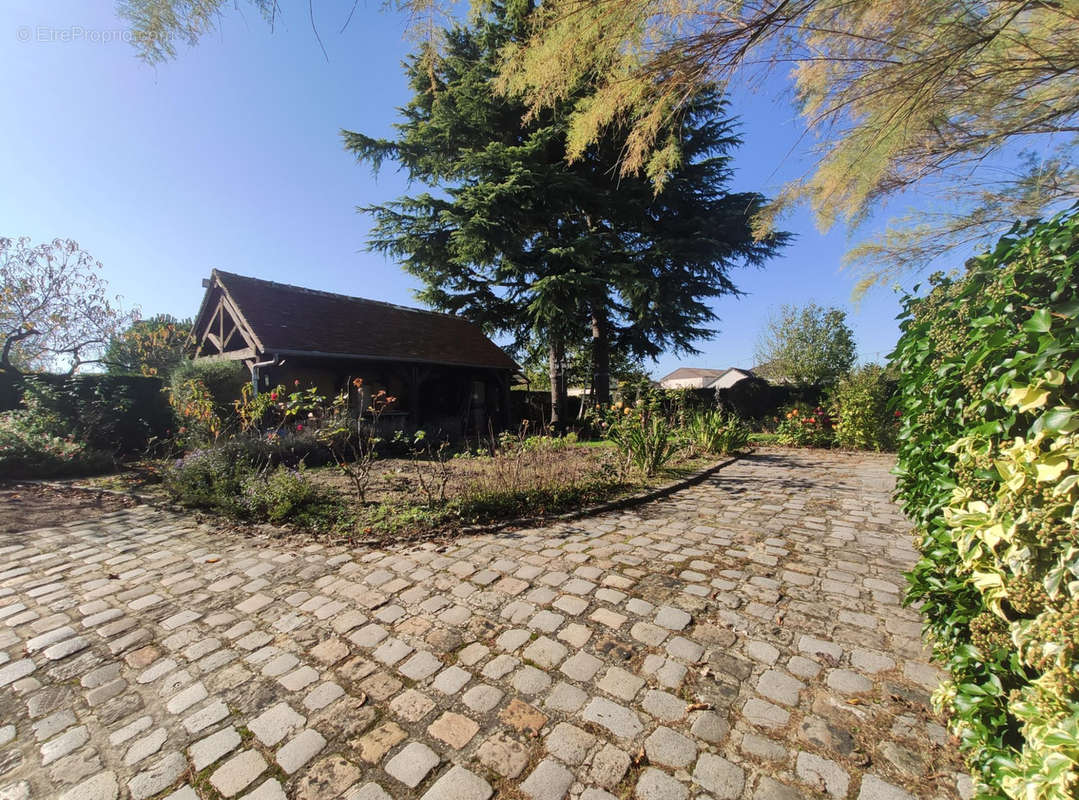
516,239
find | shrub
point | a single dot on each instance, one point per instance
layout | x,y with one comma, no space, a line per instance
716,433
116,414
537,443
230,480
198,423
213,478
45,440
805,427
224,379
860,406
34,446
287,495
203,394
645,439
475,505
988,365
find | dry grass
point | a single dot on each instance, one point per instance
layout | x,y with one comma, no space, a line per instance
405,480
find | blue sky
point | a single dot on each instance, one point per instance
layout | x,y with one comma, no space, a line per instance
230,157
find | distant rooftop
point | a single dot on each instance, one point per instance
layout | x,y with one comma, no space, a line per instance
683,373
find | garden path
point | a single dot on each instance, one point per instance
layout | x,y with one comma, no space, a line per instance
741,639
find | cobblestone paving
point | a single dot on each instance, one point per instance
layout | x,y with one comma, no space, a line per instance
741,639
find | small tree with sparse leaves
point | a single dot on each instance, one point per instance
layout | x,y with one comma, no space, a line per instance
55,310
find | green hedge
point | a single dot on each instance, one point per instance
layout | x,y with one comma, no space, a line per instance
121,414
988,365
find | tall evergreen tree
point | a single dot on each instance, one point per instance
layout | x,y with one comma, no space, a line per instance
527,245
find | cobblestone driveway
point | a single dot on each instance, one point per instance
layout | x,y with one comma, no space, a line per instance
743,638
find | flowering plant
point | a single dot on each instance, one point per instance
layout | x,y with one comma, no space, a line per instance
645,436
279,408
803,426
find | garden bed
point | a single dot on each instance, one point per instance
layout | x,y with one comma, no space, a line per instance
411,497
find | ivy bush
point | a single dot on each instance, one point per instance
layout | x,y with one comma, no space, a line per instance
988,366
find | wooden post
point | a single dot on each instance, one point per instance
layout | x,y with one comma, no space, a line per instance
416,377
502,379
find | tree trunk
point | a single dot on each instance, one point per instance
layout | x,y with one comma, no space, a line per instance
556,359
601,356
5,355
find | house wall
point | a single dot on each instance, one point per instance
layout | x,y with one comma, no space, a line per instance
455,401
728,380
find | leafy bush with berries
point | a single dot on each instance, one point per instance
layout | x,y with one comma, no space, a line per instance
988,367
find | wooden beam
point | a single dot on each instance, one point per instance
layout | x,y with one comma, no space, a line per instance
228,336
207,334
231,355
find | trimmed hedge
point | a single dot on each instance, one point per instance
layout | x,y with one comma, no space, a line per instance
758,400
988,366
120,414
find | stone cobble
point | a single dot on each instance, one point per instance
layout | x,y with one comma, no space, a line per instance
743,638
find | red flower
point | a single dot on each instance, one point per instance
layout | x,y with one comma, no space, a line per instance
273,395
299,427
897,413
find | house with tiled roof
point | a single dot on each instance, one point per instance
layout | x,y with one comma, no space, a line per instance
444,371
698,378
689,378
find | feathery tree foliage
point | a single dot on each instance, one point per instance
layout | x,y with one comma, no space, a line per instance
934,92
975,102
527,245
158,25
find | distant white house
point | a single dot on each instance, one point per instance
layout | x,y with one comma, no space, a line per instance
730,377
697,378
690,378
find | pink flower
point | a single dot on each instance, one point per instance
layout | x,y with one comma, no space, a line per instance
299,428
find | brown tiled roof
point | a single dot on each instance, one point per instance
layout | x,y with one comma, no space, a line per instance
293,319
692,372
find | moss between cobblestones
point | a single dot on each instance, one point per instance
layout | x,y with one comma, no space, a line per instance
637,763
200,782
